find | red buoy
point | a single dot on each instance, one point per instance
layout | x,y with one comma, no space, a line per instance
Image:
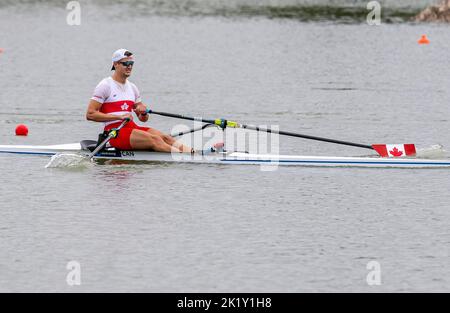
21,130
423,40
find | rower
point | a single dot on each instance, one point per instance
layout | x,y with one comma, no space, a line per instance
114,100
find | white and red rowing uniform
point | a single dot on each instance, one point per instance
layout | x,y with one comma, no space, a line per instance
118,99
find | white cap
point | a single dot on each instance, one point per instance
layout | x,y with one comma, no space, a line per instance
119,55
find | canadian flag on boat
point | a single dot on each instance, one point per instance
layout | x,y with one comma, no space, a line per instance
395,150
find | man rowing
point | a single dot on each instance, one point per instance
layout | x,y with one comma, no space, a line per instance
114,100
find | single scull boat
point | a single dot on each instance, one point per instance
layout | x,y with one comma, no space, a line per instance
388,155
85,147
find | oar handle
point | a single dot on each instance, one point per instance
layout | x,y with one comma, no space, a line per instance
125,121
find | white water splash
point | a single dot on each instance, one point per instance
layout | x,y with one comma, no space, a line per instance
432,152
68,160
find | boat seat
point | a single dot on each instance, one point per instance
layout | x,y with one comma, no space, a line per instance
88,145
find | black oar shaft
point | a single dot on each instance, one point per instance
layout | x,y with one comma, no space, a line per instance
198,119
190,130
268,130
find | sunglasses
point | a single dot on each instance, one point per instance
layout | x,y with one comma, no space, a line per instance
127,63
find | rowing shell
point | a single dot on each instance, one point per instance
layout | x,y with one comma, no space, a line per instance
229,157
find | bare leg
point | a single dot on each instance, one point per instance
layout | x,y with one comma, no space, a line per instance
141,140
170,140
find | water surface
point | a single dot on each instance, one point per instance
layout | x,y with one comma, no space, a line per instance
208,228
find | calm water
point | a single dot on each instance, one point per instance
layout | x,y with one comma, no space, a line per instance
204,228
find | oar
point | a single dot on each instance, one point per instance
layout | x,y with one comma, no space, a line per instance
191,130
112,134
384,150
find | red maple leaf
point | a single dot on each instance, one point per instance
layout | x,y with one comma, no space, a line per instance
395,152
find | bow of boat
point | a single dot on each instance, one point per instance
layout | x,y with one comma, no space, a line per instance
43,150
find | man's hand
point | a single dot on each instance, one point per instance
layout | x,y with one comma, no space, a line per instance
141,112
125,116
143,117
140,109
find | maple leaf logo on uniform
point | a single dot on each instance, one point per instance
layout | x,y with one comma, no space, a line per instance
124,107
395,152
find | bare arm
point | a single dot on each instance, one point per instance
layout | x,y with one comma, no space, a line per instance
93,113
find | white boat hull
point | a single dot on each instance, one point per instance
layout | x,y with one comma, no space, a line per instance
232,158
41,150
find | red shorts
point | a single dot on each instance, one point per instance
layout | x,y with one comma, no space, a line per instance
122,141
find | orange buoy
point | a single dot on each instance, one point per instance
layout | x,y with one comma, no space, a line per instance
21,130
1,50
423,40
